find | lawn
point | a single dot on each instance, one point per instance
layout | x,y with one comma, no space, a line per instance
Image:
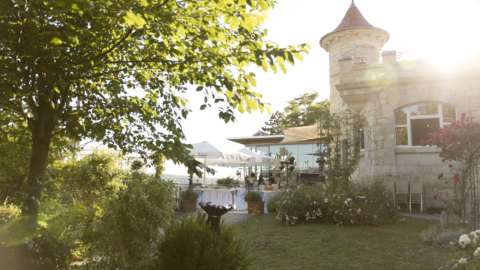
326,246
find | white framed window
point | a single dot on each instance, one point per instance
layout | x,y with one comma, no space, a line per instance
414,122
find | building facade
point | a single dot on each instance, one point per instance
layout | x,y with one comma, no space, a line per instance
402,100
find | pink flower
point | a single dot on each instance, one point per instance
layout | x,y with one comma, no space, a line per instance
359,210
450,165
435,196
429,142
292,195
443,160
422,142
454,200
349,210
440,154
440,176
456,177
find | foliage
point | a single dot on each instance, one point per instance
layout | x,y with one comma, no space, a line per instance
465,253
127,230
16,149
192,244
296,206
95,177
50,253
8,211
368,206
283,153
189,195
460,149
342,132
274,125
69,68
438,237
273,199
46,252
228,181
304,111
253,196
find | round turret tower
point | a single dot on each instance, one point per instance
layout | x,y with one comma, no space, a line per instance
354,38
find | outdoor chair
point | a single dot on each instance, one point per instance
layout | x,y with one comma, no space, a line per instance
391,188
401,192
416,195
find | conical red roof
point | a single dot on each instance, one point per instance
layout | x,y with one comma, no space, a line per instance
353,18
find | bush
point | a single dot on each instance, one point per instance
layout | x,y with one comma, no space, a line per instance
189,195
128,230
253,196
272,201
465,252
45,251
8,211
192,244
360,205
438,237
228,181
296,205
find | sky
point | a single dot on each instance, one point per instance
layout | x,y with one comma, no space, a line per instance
446,28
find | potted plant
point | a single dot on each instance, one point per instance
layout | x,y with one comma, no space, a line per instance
254,202
189,201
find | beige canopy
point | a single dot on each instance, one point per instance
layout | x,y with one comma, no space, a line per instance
300,134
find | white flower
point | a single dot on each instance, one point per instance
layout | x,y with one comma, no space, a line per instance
475,242
477,252
462,261
398,207
326,200
477,234
464,240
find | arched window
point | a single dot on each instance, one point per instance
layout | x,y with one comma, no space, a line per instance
414,122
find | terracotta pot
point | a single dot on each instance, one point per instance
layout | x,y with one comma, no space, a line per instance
188,206
256,207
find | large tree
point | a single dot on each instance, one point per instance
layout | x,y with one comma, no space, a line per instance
304,111
274,125
118,71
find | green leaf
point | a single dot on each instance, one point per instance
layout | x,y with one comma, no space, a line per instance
203,107
264,65
131,19
221,37
55,41
200,88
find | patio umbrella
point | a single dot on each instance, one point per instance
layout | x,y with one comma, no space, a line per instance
254,160
210,154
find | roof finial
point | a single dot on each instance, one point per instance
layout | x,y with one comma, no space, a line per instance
353,2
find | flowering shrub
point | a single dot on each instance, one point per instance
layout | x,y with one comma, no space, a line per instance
459,142
466,253
360,205
296,205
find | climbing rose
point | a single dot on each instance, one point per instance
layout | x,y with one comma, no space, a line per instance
440,176
455,177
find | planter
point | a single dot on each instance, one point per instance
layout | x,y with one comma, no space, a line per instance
256,207
188,206
435,211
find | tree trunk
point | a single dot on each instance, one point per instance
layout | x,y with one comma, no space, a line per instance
41,136
38,163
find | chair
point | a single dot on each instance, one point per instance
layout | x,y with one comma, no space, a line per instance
401,192
416,195
391,188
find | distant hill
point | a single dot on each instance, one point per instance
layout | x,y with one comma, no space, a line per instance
184,179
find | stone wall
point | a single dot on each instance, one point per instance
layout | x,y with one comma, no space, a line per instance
376,92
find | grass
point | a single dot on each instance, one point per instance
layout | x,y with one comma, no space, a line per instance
326,246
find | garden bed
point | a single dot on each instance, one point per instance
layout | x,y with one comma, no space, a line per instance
327,246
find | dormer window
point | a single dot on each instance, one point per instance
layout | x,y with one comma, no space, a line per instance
414,122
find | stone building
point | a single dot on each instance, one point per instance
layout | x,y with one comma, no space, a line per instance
402,100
